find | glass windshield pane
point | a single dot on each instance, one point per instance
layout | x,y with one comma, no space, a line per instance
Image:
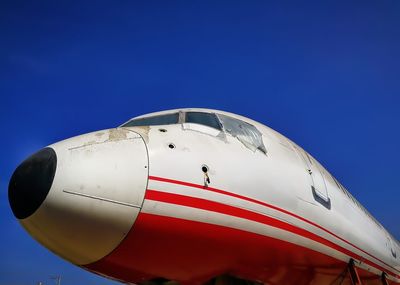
206,119
244,132
168,119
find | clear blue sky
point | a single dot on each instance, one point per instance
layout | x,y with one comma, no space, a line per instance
324,74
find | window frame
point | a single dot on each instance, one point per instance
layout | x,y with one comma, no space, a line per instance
177,114
217,120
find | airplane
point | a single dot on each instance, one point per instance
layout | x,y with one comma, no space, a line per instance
199,196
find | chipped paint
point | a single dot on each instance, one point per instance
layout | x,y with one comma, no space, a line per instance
117,134
143,131
111,135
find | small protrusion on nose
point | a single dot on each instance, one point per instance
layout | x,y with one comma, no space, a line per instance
31,182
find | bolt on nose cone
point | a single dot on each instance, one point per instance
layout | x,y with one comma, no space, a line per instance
31,182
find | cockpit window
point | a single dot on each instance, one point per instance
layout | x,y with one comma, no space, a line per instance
244,132
206,119
168,119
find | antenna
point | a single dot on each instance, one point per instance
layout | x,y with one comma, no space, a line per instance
57,279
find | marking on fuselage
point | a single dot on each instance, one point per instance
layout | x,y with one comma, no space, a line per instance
100,198
224,192
306,201
234,211
92,143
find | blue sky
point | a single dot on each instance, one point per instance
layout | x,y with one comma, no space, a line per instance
324,74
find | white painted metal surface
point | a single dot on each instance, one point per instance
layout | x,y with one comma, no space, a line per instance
280,178
96,195
101,178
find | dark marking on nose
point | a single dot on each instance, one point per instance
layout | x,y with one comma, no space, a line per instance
31,182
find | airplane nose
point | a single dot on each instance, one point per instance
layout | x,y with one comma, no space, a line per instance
80,197
31,182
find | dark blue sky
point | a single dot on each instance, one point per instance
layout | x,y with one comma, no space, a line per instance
324,74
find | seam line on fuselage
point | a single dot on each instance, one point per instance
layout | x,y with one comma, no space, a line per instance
101,142
100,198
223,192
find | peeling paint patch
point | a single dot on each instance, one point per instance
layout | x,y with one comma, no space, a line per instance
108,136
143,131
117,134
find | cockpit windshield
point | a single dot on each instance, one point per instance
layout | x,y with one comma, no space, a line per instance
244,132
168,119
207,119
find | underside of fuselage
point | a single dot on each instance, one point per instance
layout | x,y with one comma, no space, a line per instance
200,253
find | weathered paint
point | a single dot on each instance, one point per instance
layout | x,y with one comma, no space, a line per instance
257,218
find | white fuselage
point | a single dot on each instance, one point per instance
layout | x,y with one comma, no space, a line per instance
188,202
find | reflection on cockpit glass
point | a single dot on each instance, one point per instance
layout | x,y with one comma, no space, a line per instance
207,119
244,132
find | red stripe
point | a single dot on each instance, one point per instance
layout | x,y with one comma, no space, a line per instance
240,213
192,252
211,189
245,214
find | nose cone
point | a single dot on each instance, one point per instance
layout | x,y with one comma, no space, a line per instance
80,197
31,182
